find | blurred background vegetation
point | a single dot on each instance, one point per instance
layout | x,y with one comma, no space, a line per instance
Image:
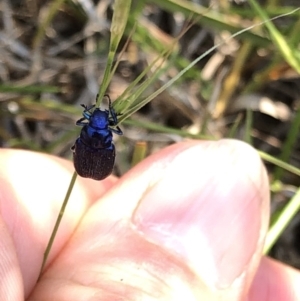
53,55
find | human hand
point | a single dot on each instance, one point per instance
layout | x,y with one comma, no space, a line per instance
188,223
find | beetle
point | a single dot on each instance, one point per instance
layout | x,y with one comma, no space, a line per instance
94,151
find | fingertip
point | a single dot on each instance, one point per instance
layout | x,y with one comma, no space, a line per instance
211,198
198,197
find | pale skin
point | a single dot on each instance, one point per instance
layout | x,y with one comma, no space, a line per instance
188,223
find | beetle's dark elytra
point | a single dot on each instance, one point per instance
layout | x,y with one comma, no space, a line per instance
94,151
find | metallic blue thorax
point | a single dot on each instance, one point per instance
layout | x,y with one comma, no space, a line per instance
97,134
98,119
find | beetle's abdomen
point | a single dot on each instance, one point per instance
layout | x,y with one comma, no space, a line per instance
93,163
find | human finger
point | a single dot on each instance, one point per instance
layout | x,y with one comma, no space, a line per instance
33,187
186,224
275,281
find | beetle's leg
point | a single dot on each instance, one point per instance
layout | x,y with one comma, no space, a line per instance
112,113
80,122
106,95
87,115
113,120
117,130
86,108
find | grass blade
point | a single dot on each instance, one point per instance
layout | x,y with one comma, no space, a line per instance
279,40
119,21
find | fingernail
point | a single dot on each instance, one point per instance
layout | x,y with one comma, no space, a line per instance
207,208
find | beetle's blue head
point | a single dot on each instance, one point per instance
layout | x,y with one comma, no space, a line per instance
99,119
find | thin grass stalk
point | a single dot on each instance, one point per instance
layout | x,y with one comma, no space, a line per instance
284,219
279,40
119,21
288,145
57,223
